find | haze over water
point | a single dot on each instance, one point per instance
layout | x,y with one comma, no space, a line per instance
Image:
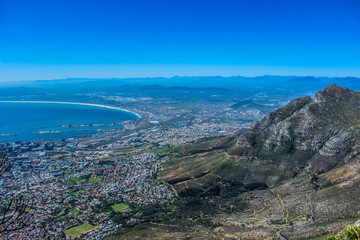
26,119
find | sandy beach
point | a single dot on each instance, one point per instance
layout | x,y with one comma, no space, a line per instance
76,103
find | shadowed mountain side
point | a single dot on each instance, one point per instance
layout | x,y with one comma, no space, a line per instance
316,135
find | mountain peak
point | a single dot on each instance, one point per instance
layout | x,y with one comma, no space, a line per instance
332,92
332,87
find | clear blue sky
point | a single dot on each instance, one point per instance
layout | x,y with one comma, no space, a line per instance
47,39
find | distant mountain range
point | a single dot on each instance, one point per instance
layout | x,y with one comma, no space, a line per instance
212,81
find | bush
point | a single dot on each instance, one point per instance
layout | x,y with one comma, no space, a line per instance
350,232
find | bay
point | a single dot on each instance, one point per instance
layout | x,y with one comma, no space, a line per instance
25,119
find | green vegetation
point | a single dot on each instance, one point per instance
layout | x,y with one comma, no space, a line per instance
119,207
166,150
92,180
350,232
77,192
173,152
162,150
76,231
72,181
7,202
75,211
29,209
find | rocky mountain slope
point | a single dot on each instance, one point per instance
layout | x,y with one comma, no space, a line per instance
318,135
294,174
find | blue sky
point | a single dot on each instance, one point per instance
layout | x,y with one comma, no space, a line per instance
48,39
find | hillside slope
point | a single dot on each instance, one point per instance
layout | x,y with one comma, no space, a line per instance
318,134
295,173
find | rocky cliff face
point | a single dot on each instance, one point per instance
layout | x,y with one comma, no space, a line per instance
317,134
325,129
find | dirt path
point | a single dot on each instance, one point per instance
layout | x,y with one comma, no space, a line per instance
312,220
278,233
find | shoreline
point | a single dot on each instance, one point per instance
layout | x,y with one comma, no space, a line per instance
76,103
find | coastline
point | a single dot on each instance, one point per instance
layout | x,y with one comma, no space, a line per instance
76,103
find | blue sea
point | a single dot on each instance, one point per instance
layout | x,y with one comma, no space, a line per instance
26,119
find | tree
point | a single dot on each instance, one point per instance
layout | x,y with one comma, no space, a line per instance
16,212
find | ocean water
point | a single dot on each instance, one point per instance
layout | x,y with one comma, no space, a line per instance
26,119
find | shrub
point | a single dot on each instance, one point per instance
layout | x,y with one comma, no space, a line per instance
350,232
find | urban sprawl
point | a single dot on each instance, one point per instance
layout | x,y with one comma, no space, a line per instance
73,186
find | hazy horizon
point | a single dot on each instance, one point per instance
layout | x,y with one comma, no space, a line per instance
93,75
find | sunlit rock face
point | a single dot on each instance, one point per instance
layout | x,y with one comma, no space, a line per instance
325,125
317,134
